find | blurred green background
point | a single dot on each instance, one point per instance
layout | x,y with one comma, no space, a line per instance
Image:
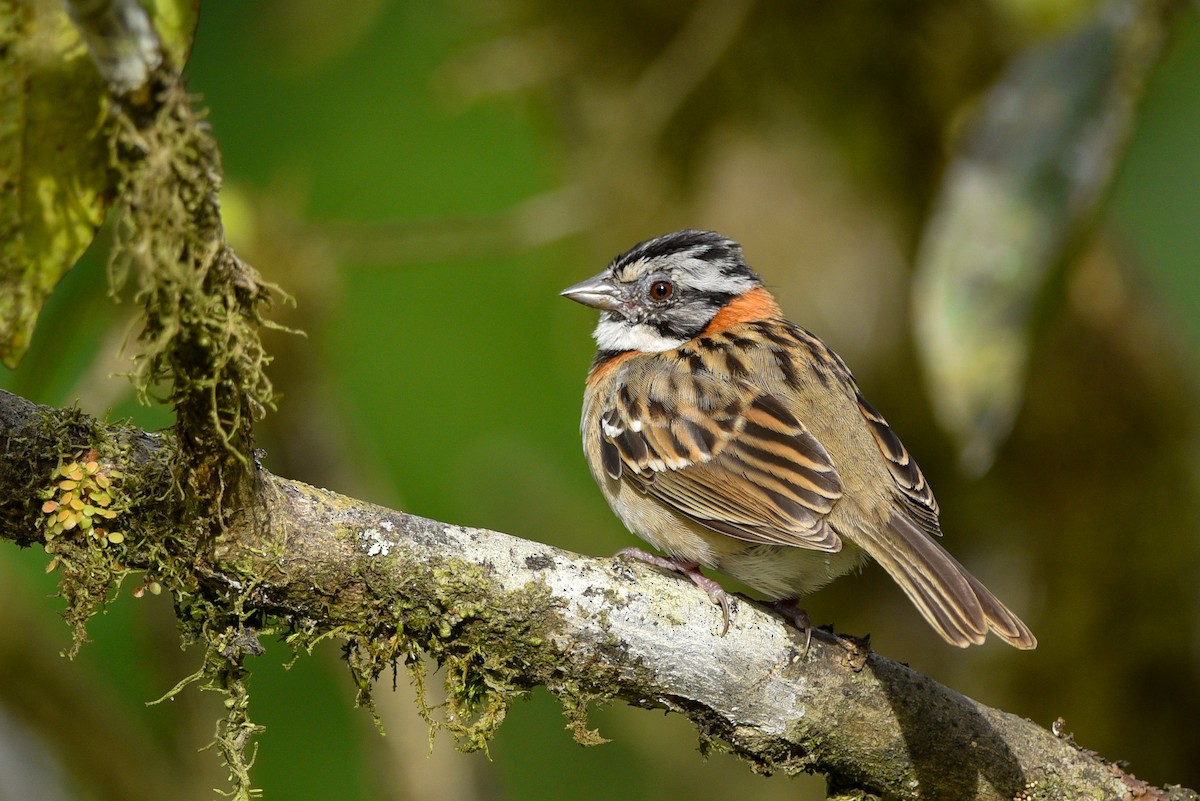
425,178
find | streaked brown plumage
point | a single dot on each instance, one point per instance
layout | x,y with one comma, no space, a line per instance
728,437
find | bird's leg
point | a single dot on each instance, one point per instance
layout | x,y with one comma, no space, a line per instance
691,569
791,611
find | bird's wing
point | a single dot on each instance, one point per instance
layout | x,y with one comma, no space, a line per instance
951,599
915,496
731,457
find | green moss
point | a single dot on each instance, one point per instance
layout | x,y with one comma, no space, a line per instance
490,644
851,795
75,503
199,338
160,539
576,703
202,305
223,671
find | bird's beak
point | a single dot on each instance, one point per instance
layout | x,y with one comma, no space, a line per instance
597,292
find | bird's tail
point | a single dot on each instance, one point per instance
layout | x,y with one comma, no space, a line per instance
951,599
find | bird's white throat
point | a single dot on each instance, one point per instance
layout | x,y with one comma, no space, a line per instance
611,335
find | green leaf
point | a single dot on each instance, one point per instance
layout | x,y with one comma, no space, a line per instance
175,21
1015,204
54,175
55,181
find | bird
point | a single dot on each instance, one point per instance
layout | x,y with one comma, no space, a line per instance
729,438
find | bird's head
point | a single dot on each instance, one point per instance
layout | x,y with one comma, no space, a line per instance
665,291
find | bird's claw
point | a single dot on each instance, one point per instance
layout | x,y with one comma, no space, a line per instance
797,617
691,569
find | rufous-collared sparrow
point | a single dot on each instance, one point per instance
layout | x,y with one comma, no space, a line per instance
728,437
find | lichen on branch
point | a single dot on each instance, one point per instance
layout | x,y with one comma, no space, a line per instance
202,306
198,345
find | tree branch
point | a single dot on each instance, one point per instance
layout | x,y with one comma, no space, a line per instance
121,39
502,615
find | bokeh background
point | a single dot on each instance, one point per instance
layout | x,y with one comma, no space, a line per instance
424,178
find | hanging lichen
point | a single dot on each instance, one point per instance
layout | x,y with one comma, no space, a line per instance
202,306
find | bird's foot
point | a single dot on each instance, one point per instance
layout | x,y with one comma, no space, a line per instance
791,611
691,569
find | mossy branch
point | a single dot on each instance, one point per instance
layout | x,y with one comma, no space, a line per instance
198,343
501,615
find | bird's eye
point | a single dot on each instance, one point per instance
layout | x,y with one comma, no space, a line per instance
661,290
